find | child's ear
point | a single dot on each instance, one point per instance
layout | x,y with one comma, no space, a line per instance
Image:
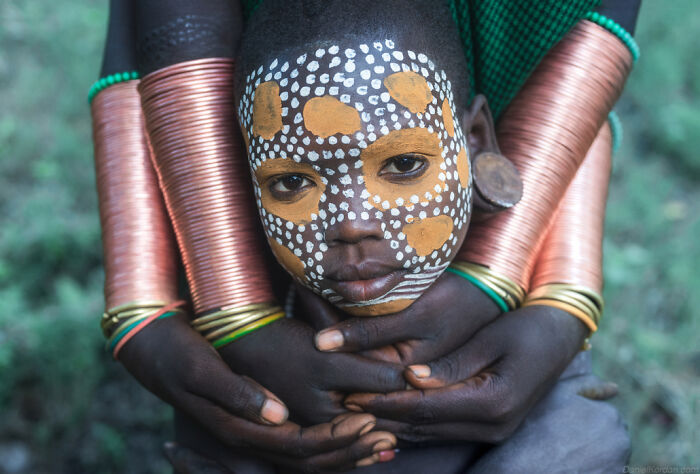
496,180
478,127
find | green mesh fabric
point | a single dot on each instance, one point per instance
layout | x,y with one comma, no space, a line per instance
505,39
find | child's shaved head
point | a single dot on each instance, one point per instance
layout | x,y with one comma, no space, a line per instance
351,113
288,25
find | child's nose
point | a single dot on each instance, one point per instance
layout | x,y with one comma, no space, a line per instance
353,230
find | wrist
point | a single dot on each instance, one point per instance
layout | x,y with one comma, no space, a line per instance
555,323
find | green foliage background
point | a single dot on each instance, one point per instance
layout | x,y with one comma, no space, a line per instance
65,407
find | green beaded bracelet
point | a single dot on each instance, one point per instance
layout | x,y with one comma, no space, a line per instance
104,82
616,130
613,27
489,292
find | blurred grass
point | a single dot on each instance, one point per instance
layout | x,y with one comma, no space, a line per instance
65,407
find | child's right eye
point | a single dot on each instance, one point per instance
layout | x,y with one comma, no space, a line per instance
287,187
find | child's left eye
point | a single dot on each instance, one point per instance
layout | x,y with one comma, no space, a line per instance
404,166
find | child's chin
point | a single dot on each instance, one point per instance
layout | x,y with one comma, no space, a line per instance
380,309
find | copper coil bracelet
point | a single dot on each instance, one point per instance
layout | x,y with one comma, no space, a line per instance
546,131
204,176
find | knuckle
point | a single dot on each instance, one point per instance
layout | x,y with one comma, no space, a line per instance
424,412
450,368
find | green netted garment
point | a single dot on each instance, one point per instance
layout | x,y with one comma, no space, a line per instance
505,39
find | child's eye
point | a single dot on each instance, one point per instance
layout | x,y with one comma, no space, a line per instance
287,187
404,166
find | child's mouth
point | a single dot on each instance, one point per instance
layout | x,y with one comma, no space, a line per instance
366,284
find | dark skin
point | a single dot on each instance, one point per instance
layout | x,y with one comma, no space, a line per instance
411,337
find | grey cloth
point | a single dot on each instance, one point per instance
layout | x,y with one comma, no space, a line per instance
564,432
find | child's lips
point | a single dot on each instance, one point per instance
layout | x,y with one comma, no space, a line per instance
358,291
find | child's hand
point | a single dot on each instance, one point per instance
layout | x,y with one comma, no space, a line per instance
484,389
283,358
445,316
179,366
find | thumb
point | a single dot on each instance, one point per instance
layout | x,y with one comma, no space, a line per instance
363,334
240,395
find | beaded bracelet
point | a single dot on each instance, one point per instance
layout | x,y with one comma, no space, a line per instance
615,28
104,82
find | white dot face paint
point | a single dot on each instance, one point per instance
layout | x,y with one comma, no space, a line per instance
363,149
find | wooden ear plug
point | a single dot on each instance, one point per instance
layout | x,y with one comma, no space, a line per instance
496,181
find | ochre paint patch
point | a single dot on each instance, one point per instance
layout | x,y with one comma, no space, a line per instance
448,118
298,211
379,309
410,90
288,260
326,116
463,168
409,140
267,110
427,235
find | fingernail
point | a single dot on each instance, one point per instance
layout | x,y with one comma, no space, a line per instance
274,412
367,461
386,456
368,427
383,445
329,339
353,407
420,371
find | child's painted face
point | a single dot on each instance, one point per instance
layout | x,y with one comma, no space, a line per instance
361,171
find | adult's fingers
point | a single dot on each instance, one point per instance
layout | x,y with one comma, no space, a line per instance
355,373
186,461
455,431
419,322
287,439
360,334
240,396
475,399
463,363
365,451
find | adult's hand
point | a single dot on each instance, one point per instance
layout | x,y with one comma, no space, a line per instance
179,366
483,390
312,384
445,316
